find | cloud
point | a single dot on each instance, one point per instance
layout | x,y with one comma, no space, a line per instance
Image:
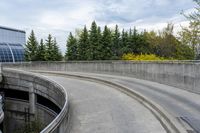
59,17
127,11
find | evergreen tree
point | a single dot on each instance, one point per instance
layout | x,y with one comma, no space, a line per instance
124,43
31,48
99,44
116,44
131,42
134,42
107,44
41,51
57,55
83,45
93,43
142,45
137,43
49,48
72,51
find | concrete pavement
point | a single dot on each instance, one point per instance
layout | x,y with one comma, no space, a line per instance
97,108
181,104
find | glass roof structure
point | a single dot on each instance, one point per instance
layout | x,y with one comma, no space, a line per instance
11,45
11,52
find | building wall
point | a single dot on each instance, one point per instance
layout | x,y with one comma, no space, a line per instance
11,45
8,35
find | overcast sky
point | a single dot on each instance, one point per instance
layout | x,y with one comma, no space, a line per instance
59,17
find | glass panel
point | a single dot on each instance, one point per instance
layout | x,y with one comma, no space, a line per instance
5,54
18,52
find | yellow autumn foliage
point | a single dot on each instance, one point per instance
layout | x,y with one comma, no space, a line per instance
142,57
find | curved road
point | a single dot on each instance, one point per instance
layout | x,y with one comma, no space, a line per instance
96,108
183,105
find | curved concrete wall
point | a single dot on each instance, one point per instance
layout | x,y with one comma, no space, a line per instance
181,74
37,85
1,109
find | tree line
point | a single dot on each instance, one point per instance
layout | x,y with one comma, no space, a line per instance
111,44
43,51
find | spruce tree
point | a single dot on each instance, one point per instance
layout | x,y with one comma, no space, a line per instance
138,43
56,51
131,40
41,51
124,43
49,48
99,44
93,44
107,44
72,51
143,44
31,48
116,43
134,45
83,45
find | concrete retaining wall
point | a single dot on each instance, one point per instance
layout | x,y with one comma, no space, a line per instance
15,115
36,85
181,74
